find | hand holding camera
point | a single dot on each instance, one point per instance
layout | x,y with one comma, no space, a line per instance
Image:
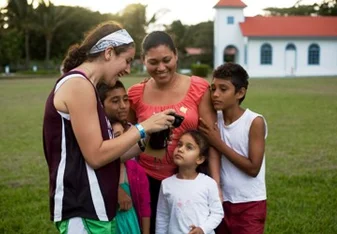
159,121
158,140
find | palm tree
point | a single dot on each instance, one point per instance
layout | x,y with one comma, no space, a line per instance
20,14
49,18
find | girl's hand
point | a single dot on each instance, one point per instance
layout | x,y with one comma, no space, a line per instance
159,121
211,132
196,230
124,200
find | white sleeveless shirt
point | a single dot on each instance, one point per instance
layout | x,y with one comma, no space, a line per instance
237,186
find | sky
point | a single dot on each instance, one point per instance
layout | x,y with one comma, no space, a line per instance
188,11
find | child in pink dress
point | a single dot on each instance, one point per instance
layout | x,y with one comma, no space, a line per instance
139,188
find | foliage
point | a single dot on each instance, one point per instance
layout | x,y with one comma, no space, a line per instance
49,18
197,36
46,32
21,17
10,46
326,8
49,30
179,32
201,70
134,20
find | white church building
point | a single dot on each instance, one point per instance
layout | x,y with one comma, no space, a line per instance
275,46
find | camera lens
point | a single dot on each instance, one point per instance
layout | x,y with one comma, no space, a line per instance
178,119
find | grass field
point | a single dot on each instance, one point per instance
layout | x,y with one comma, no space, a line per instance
301,154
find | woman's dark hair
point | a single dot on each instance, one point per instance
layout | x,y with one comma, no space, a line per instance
236,74
79,53
155,39
204,146
103,89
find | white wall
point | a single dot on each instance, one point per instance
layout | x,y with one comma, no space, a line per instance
328,57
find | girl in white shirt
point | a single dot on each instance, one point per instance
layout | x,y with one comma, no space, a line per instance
189,201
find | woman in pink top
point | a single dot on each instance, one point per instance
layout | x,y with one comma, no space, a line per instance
188,96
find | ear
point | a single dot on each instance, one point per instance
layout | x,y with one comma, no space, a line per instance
200,160
108,53
241,93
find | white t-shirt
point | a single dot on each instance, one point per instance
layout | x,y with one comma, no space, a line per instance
183,203
237,186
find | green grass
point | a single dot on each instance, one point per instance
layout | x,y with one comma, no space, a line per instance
301,154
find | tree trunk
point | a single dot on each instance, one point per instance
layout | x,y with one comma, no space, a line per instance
48,44
27,64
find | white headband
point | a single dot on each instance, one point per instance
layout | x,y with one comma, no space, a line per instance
120,37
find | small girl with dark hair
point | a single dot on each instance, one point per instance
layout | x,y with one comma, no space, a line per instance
189,201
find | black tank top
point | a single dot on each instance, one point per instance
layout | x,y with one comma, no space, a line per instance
75,189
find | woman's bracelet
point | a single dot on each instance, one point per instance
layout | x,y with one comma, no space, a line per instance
141,130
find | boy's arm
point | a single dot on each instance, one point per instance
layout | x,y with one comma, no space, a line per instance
250,165
215,208
214,164
162,218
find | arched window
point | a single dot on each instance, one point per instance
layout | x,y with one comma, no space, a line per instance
266,54
313,54
290,46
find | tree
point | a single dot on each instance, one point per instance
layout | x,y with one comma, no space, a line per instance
10,43
178,32
304,10
326,8
21,16
133,18
49,18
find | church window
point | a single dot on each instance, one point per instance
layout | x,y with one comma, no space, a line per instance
230,20
313,54
266,54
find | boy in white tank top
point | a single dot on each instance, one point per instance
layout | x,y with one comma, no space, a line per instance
240,137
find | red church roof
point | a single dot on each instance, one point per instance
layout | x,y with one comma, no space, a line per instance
230,3
289,26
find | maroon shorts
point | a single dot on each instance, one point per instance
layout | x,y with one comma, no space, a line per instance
243,218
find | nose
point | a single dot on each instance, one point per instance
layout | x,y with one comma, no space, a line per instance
180,148
122,105
161,67
215,93
128,69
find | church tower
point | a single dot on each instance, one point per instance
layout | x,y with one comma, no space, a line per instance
228,39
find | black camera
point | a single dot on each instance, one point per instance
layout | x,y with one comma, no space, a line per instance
178,119
158,140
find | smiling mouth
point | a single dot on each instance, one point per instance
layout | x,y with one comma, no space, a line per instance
162,74
122,113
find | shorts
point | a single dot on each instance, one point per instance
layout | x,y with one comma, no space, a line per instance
78,225
243,218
